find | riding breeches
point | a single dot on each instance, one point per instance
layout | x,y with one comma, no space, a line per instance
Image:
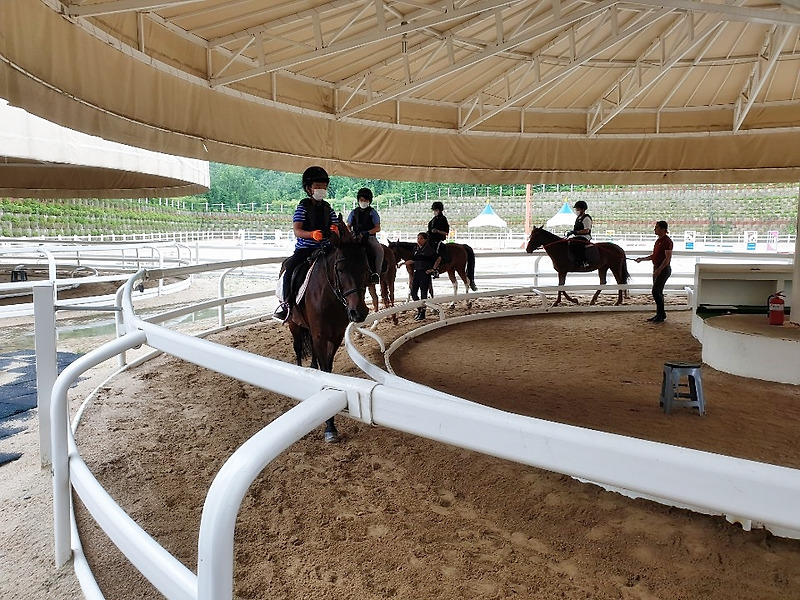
289,265
377,253
420,282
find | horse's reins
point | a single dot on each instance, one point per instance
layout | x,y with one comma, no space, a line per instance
337,288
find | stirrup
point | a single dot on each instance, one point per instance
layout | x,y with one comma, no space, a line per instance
374,278
281,313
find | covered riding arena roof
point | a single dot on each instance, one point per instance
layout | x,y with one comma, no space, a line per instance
498,91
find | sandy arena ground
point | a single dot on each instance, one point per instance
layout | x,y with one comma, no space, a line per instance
386,514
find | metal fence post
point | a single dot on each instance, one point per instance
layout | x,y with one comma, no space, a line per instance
44,311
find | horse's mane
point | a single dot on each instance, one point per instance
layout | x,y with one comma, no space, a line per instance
406,245
548,234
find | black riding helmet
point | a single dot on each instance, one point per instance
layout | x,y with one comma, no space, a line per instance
365,193
581,205
315,175
437,206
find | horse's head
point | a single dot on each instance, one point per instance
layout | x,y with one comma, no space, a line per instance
402,250
536,240
350,273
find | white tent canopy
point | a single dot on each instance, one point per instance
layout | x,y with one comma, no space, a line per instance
487,218
565,216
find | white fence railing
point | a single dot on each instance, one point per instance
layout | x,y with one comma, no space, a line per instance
746,491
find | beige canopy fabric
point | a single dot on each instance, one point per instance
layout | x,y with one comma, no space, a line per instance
39,159
479,91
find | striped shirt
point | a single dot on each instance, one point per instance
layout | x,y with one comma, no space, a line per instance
300,216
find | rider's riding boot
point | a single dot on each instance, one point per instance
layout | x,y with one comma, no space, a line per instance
420,314
282,312
374,278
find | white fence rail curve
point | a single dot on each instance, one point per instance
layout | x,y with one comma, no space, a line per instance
745,491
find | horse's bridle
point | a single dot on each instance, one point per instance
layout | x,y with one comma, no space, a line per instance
337,286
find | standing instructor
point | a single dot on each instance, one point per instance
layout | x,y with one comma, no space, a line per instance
661,257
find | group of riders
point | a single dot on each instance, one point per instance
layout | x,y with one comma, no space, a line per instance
314,220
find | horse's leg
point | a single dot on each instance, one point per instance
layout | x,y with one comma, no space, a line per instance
602,271
326,349
562,278
452,274
374,295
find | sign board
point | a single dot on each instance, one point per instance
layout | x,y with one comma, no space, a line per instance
751,237
772,241
688,239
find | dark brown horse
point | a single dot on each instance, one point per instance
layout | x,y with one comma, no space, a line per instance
387,282
462,262
334,297
607,256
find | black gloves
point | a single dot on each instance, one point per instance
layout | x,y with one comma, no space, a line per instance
569,233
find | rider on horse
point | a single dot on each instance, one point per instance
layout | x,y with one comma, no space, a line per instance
365,222
438,229
582,233
314,220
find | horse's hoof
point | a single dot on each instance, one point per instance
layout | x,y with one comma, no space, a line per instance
331,437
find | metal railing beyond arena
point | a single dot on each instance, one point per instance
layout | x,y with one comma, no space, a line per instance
746,492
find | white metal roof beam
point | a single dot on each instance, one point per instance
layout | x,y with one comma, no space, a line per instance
110,8
563,71
641,77
374,35
542,29
773,44
730,13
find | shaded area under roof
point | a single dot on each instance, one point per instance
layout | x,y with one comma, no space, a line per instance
39,159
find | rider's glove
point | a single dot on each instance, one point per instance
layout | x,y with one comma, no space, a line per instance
569,233
316,235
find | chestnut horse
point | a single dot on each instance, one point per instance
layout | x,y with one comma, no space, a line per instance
334,297
462,262
608,256
387,282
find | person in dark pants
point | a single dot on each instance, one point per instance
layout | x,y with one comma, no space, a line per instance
582,235
314,219
438,230
365,223
661,257
422,260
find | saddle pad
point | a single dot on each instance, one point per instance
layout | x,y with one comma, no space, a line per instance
303,287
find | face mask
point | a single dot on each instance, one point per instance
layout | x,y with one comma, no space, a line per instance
320,194
363,204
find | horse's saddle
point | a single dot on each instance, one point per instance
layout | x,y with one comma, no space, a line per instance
300,278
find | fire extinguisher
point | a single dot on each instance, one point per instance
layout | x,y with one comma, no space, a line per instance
775,308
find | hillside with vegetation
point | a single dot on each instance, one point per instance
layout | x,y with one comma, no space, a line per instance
258,200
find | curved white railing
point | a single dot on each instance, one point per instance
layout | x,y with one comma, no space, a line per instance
746,491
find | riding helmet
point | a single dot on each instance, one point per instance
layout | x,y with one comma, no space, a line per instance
365,193
315,175
437,206
581,205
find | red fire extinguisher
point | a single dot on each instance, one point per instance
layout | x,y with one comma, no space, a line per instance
775,308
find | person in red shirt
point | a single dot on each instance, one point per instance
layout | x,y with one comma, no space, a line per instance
661,257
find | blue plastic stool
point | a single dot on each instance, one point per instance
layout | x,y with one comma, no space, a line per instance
675,392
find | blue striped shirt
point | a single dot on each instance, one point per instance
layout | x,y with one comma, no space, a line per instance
300,216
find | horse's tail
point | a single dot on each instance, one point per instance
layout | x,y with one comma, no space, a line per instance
625,275
471,267
303,349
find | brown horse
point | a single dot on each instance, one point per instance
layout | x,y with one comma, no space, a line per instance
387,282
462,262
608,256
334,297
